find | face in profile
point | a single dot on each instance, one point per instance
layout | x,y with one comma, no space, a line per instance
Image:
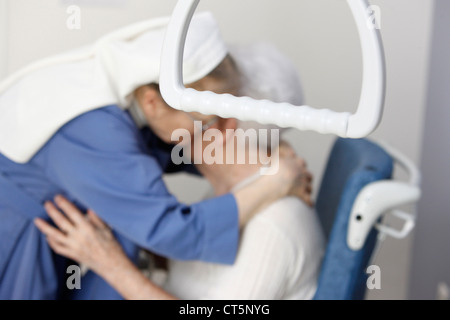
164,120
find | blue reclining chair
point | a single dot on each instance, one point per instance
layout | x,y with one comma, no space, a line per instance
355,192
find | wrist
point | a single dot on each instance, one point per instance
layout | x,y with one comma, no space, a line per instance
276,187
110,266
114,271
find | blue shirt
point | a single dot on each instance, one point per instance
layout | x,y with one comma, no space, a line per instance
101,161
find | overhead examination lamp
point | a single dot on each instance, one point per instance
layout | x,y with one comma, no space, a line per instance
343,124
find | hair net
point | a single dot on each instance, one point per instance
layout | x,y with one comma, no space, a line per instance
266,73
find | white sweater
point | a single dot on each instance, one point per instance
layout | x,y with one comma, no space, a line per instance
279,258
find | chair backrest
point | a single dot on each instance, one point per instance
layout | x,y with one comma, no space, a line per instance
352,165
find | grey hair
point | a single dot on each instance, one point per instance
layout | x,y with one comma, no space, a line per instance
266,73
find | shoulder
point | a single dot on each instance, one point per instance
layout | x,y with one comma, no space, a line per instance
108,129
288,235
297,222
285,212
106,117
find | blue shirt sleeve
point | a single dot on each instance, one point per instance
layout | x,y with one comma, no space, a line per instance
101,160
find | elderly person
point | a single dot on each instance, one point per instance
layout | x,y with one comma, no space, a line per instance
281,248
68,126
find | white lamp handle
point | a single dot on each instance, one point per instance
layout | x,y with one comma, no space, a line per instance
347,125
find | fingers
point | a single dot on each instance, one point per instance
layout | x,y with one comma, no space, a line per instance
308,188
303,186
303,195
307,196
75,218
95,220
301,162
70,210
309,201
50,232
309,177
60,248
286,150
75,235
58,218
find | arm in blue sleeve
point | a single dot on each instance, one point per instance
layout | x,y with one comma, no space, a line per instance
99,160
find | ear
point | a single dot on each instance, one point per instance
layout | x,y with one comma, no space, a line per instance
150,101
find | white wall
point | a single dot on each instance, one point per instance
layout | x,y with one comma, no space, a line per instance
406,30
320,37
39,27
3,37
431,261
